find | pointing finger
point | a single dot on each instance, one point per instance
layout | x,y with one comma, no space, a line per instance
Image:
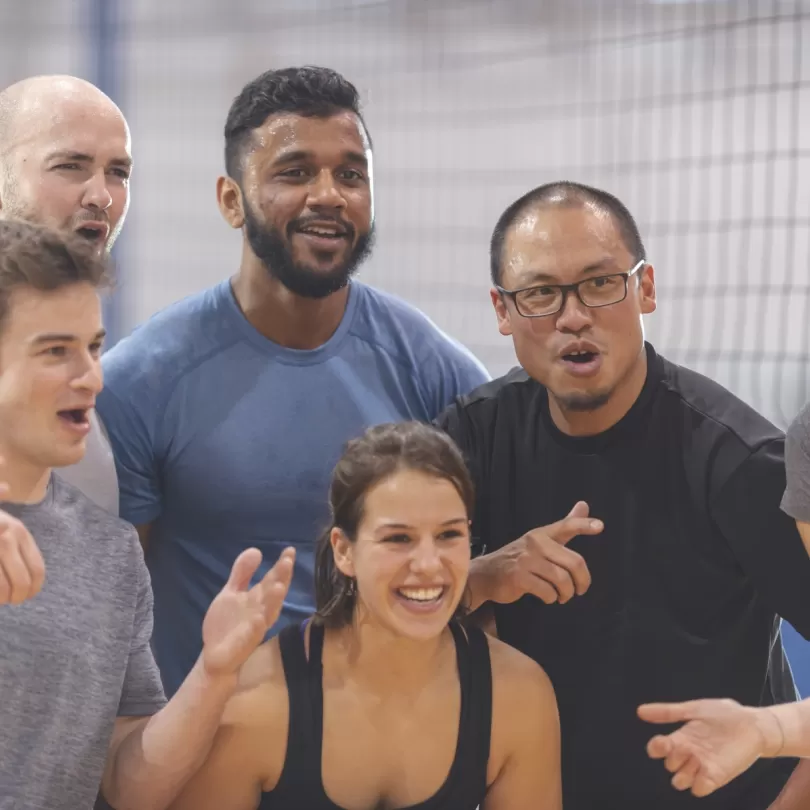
667,712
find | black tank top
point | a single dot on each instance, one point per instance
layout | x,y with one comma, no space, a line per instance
301,785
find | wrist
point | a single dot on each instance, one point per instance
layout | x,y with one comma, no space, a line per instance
478,582
214,682
772,731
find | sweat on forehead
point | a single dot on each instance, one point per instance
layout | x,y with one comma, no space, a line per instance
563,195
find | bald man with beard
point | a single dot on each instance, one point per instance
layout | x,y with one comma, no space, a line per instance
65,163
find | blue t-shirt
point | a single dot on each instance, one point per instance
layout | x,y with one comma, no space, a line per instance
226,440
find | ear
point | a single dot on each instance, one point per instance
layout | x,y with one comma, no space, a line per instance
646,285
230,202
501,312
342,549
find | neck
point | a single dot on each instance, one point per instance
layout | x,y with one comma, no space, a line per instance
282,316
26,482
623,397
384,663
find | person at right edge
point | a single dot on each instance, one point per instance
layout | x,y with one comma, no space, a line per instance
667,579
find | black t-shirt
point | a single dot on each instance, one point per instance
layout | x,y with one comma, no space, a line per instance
694,564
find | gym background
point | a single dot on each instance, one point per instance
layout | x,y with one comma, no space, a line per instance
689,110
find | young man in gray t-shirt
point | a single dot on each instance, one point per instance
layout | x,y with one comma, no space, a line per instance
82,710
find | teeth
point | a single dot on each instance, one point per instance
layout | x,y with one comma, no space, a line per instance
320,232
421,594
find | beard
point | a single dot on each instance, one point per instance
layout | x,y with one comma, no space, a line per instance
581,403
274,250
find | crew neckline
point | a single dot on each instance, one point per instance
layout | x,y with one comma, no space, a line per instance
283,354
627,424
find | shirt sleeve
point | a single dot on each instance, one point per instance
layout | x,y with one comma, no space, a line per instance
763,538
128,413
796,500
142,694
452,372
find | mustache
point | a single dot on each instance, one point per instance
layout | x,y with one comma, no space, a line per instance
299,224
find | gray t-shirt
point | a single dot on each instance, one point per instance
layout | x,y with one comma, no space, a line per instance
74,657
796,500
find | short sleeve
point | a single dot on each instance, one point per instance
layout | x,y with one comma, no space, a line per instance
128,413
796,500
763,538
142,694
451,372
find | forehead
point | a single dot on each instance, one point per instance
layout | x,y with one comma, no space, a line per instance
74,309
84,126
561,241
413,497
324,139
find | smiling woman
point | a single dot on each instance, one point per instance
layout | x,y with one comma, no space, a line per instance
384,698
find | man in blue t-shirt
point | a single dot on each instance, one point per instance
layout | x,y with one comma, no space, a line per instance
228,410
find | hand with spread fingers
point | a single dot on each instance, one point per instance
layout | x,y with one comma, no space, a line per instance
240,616
538,563
22,569
720,740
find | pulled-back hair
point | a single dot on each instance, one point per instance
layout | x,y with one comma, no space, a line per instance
366,461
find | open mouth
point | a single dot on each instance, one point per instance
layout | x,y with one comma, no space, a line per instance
580,358
77,417
92,233
422,597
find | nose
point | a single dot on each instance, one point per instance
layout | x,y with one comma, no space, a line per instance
96,193
426,559
574,316
88,375
324,192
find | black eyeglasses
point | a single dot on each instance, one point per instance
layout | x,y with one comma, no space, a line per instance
549,299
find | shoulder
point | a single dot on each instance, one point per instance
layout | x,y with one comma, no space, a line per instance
518,680
524,706
171,341
94,523
401,329
511,396
798,432
715,410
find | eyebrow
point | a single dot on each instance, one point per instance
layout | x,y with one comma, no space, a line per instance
297,155
57,337
81,157
408,526
545,278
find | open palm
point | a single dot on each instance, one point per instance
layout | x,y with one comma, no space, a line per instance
240,616
719,741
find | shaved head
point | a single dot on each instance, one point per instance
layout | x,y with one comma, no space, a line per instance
64,157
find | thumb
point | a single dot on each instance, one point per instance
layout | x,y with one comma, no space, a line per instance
243,569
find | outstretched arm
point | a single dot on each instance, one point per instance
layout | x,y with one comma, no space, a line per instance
149,761
721,739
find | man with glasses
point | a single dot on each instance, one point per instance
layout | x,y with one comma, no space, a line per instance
667,577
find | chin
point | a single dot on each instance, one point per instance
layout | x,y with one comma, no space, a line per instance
68,456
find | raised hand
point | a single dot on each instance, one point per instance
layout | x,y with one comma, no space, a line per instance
240,616
22,569
537,563
721,740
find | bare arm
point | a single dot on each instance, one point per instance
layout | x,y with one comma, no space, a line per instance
804,531
721,739
150,761
151,758
526,726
